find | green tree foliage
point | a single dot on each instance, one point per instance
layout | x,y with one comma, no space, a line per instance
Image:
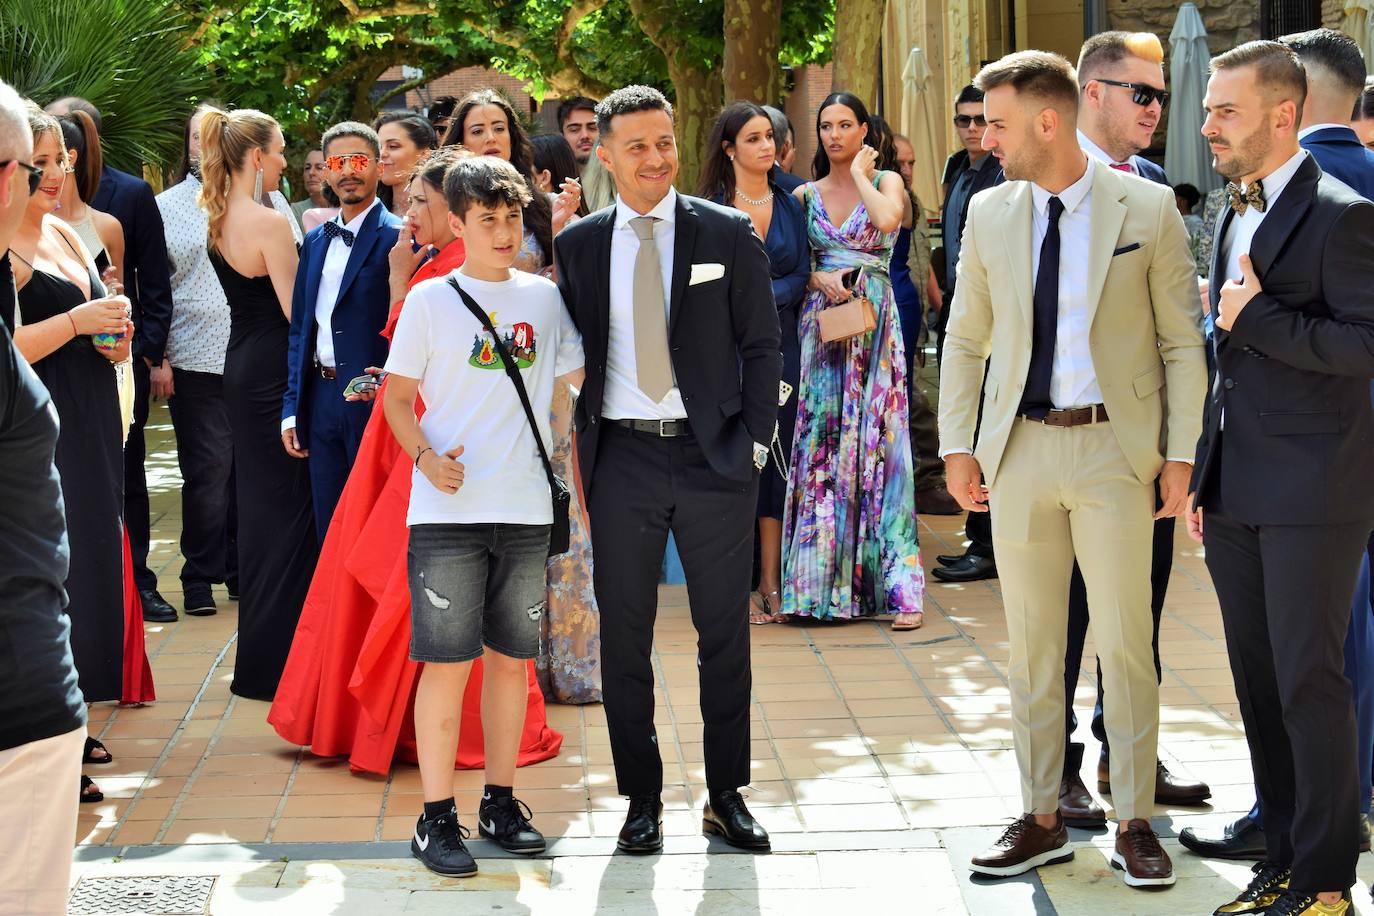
129,57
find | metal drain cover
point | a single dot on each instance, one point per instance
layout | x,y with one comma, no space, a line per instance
150,896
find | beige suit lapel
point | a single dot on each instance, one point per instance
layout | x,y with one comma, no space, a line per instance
1109,213
1019,233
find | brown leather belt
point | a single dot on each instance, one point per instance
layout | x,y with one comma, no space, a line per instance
328,372
1073,416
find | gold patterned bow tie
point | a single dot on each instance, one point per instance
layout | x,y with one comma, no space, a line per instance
1252,196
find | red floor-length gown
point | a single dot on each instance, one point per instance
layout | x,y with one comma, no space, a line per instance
349,684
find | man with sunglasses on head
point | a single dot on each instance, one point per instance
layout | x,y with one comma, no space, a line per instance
338,309
1122,99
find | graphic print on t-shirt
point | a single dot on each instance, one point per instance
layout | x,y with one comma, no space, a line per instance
519,341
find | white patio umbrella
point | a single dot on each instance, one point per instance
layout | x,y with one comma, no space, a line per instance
1186,157
1358,23
918,122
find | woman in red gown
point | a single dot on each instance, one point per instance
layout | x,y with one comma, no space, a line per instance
349,684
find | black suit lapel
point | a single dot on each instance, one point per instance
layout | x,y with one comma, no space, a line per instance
684,241
601,270
1218,271
1284,216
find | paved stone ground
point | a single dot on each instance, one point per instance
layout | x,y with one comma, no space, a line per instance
882,761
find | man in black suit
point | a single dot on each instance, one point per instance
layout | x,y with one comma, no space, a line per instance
1282,497
674,302
148,284
1122,101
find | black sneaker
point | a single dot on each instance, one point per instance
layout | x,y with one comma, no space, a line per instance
506,822
199,600
438,843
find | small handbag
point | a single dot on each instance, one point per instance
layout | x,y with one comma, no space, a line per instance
559,533
851,318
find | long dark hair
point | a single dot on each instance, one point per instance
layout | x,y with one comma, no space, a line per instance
79,133
552,153
820,166
420,132
538,212
718,173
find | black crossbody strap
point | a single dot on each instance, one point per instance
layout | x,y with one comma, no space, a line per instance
513,373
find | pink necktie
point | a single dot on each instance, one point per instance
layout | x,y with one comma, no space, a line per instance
1122,166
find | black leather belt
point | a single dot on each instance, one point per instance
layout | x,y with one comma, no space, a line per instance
1073,416
664,429
328,372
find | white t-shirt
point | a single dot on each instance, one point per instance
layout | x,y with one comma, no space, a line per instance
470,401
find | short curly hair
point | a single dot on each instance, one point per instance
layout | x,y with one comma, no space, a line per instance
628,100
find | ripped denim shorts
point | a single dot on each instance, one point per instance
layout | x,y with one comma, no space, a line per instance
475,585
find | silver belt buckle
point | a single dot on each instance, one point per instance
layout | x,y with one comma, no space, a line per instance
661,426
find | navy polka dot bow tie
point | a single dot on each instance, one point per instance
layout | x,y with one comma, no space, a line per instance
333,230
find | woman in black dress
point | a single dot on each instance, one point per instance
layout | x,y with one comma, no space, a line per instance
254,254
61,304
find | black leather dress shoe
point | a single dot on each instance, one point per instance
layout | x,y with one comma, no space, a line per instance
726,817
643,830
155,607
1242,839
969,569
950,559
1364,832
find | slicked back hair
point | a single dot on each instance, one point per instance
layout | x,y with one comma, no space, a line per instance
1041,75
1278,70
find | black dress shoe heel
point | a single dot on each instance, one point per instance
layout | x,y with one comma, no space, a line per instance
726,816
643,831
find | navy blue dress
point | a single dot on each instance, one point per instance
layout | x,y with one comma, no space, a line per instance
906,295
789,262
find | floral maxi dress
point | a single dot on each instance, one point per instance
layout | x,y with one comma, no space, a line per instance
849,529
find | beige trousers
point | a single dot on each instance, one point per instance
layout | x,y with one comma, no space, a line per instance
38,802
1060,494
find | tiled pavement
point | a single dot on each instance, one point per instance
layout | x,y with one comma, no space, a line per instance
881,762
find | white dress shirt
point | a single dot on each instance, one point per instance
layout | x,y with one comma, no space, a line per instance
331,278
623,398
1098,153
1073,380
1243,226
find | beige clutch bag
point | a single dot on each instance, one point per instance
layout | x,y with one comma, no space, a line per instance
847,319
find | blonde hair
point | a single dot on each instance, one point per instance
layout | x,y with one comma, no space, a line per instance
226,139
40,123
1105,49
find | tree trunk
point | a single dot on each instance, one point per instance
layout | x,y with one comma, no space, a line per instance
858,34
753,35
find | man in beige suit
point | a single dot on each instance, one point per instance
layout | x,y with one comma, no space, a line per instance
1076,296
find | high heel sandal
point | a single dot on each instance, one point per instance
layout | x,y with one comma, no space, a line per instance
909,620
762,612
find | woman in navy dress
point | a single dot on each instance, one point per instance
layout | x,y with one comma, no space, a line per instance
738,173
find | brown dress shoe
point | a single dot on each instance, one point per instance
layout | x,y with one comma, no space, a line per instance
1140,856
1022,846
1169,789
1076,806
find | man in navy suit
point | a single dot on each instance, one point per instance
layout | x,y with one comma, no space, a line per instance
338,309
1122,101
148,284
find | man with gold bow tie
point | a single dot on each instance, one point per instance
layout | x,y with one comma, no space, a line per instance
1282,498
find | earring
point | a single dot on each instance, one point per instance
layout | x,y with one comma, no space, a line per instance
257,186
731,156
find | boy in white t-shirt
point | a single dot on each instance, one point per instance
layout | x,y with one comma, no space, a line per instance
480,507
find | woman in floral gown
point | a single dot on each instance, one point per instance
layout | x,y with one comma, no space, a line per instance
849,539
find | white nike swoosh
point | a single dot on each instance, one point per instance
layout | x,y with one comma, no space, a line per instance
488,826
422,843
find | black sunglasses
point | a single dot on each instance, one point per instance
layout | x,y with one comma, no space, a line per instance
963,121
35,174
1141,94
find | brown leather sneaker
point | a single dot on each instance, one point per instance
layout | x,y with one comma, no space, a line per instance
1140,856
1022,846
1076,806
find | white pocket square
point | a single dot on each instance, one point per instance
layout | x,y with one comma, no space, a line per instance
705,273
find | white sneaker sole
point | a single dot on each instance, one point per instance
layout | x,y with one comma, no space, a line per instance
1118,861
1051,857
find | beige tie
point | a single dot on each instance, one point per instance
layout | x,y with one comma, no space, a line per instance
653,365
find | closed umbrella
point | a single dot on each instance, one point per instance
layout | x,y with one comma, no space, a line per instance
1358,23
918,122
1186,156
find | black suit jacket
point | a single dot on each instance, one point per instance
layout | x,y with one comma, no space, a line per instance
1293,373
722,333
147,273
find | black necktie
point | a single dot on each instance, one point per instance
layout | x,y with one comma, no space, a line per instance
333,230
1036,402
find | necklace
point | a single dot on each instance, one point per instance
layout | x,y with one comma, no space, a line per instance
768,199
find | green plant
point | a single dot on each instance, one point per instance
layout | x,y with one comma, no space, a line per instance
128,57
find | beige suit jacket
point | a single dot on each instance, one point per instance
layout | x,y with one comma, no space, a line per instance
1145,338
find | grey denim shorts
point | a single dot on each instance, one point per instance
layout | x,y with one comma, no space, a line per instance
475,585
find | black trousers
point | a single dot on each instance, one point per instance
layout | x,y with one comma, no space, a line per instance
1285,594
205,454
643,487
1161,567
978,529
136,513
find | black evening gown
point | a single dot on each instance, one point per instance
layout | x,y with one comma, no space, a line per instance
90,462
276,530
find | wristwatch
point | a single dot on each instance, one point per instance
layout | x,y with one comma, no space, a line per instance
760,456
